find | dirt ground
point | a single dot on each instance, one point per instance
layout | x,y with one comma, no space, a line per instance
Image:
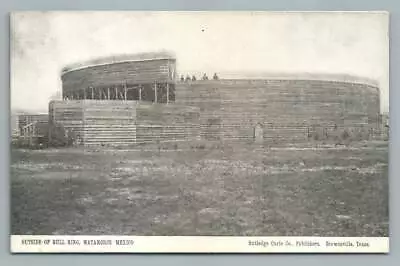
276,192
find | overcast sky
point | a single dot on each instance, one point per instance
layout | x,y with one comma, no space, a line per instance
42,43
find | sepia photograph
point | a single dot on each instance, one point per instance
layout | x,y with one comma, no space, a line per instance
136,131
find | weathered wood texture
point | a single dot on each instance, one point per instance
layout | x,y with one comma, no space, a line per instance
160,123
129,73
96,122
120,123
288,110
69,115
228,110
109,122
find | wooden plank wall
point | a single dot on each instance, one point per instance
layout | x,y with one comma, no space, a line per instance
68,114
120,123
287,109
117,74
161,123
109,123
228,110
97,122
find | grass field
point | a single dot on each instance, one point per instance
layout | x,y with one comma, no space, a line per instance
277,192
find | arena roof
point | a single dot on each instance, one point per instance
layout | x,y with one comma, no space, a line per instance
119,59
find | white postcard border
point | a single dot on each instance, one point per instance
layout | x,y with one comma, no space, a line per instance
195,244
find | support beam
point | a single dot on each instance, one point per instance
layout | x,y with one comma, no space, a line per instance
92,93
125,91
155,92
108,93
167,93
140,92
116,93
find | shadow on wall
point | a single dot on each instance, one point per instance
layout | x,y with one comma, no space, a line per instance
61,137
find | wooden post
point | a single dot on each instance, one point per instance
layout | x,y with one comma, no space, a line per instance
140,92
155,92
167,93
116,93
29,138
92,93
108,93
125,91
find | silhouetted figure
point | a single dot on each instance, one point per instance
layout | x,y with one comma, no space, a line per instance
205,76
182,78
215,77
193,78
187,78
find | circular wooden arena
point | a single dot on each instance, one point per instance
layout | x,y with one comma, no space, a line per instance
145,77
282,109
262,109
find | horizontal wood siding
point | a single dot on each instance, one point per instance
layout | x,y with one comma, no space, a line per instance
98,122
286,109
158,123
118,74
109,123
68,114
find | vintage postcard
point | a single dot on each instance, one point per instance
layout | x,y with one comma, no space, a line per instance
199,132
